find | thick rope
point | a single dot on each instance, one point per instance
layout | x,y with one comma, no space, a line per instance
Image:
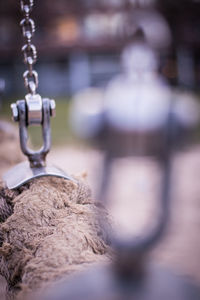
51,231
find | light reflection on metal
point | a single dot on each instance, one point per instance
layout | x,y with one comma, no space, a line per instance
37,111
32,111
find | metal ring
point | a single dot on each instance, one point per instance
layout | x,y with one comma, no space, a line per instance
31,87
29,52
26,8
27,76
27,23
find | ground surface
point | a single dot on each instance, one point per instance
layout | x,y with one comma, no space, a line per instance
180,248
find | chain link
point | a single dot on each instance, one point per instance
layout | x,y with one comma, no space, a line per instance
29,50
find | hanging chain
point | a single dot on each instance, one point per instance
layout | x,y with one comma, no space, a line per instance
29,50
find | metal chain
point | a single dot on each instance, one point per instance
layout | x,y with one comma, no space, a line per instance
29,50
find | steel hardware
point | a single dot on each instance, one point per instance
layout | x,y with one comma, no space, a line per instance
33,110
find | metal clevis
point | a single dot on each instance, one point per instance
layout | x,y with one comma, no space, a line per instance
36,111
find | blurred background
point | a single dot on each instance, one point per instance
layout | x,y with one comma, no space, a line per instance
86,37
79,44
